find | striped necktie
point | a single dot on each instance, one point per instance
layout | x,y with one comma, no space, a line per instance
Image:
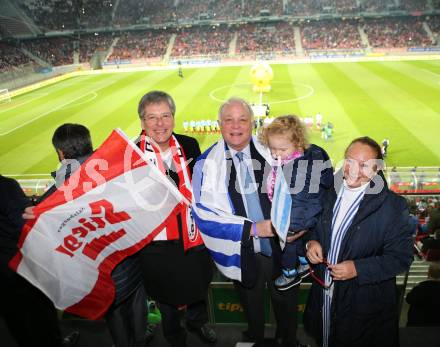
252,200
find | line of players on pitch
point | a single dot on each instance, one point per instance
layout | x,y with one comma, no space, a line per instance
212,127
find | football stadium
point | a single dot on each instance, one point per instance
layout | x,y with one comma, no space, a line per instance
346,68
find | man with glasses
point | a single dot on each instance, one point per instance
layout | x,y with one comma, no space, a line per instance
176,266
361,242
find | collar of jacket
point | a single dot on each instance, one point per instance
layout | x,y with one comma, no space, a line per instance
369,204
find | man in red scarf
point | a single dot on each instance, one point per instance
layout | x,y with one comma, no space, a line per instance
176,266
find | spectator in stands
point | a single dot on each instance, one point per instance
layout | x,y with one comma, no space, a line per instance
396,33
355,302
434,220
176,270
141,45
266,37
55,51
11,58
424,300
126,319
431,242
331,35
202,41
29,314
414,221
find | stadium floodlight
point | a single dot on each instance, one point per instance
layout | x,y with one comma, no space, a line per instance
5,96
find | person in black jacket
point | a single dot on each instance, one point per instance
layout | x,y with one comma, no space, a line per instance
361,242
29,314
126,318
424,300
429,242
176,266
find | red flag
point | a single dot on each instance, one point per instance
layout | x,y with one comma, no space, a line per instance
108,209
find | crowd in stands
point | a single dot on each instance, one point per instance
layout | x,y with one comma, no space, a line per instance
211,9
434,25
52,14
60,50
144,11
330,35
425,217
252,38
68,14
303,8
307,8
346,6
157,12
96,13
11,58
139,45
225,9
55,51
421,208
202,41
89,44
413,5
377,5
191,9
271,37
396,32
254,8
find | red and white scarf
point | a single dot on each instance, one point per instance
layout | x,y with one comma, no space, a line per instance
190,233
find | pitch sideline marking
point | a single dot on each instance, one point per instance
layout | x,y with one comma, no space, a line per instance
310,93
24,103
44,114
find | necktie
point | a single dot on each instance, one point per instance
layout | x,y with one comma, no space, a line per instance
252,202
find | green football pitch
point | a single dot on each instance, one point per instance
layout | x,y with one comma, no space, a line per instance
395,100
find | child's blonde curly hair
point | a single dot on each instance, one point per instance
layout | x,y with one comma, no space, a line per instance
289,125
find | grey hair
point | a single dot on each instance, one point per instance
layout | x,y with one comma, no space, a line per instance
156,97
233,100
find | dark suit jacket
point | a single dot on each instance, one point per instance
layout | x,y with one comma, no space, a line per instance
12,204
170,275
261,171
192,151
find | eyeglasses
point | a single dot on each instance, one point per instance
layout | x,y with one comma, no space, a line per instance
321,281
155,118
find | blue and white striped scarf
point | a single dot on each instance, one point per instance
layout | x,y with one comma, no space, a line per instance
213,211
337,235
